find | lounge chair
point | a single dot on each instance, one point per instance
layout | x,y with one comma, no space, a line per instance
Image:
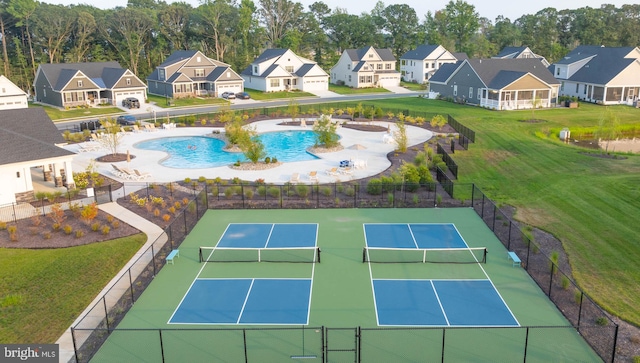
295,177
136,128
118,172
346,171
333,171
130,174
141,175
313,176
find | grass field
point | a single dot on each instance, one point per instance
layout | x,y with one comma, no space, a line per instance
44,291
345,90
342,298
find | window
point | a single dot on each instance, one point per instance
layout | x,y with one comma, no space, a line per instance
370,55
228,74
557,71
255,69
198,59
455,90
128,81
4,90
361,79
79,83
387,66
288,69
433,65
585,89
348,66
562,86
380,66
577,87
349,78
426,65
403,62
470,92
479,93
274,83
199,72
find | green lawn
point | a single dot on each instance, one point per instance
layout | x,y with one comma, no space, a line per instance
186,102
344,90
263,96
58,114
591,204
43,291
414,86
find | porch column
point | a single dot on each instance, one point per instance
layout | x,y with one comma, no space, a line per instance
68,173
46,172
516,100
622,98
57,176
28,182
500,106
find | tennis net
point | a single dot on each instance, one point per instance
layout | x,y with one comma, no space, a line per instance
288,254
424,255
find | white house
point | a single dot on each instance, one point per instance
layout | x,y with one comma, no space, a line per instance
598,74
30,139
520,53
11,96
366,67
420,64
281,70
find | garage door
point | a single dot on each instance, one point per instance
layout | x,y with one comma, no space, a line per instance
386,82
315,85
233,88
119,96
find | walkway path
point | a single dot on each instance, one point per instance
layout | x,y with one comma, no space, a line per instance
153,233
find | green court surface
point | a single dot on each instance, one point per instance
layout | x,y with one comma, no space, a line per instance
342,303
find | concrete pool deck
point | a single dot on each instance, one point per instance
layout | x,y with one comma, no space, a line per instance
374,154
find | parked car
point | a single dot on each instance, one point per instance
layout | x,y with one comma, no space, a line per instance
229,95
243,95
126,120
131,102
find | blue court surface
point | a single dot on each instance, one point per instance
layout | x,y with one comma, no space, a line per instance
268,235
440,303
245,301
413,235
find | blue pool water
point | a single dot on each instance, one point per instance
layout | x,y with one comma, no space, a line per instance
195,152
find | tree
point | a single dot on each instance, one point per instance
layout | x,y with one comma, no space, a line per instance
127,31
174,24
23,11
462,23
279,16
608,128
253,149
53,25
82,36
218,18
111,137
294,109
325,130
400,137
401,21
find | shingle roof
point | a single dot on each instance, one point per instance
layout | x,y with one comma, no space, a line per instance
111,76
421,52
461,56
59,74
177,56
605,63
269,54
444,72
357,54
28,134
505,78
489,69
511,52
302,71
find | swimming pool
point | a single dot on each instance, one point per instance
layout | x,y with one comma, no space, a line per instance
196,152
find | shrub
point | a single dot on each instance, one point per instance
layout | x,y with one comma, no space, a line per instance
67,229
185,200
326,191
79,234
416,199
56,227
249,193
390,198
173,210
187,180
565,282
115,224
166,217
46,235
274,192
602,321
156,212
95,227
3,225
89,213
56,214
274,160
13,232
555,255
374,186
177,204
228,193
267,160
302,190
350,191
36,220
105,230
262,190
577,296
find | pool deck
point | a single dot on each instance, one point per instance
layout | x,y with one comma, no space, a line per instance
148,161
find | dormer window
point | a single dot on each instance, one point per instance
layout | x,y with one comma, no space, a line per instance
370,55
79,83
161,74
199,72
198,59
289,69
558,72
228,74
128,81
255,69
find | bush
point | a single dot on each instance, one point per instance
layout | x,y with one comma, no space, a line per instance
67,229
262,190
302,190
79,234
602,321
274,192
350,191
3,225
249,193
95,227
166,217
326,191
267,160
106,230
374,186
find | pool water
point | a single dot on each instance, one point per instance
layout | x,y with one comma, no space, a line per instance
196,152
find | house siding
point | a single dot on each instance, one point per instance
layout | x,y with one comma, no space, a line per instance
464,78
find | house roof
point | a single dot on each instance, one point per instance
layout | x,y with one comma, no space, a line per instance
510,52
59,74
444,72
304,69
500,70
177,56
505,78
28,134
358,54
270,54
460,56
604,64
421,52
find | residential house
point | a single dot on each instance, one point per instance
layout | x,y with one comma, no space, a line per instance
29,139
281,70
188,73
91,83
519,53
500,84
598,74
11,96
366,67
420,64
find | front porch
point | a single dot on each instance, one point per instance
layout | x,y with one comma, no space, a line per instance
516,100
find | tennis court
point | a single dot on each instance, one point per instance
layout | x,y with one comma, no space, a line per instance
217,304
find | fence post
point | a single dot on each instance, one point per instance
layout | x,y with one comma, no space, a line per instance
106,313
550,279
131,286
615,343
75,346
526,344
153,260
493,227
184,215
161,345
444,332
509,238
580,309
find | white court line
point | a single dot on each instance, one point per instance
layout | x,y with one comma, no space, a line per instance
181,300
412,236
245,302
266,243
440,303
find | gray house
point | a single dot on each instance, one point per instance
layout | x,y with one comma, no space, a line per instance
519,53
500,84
189,73
80,84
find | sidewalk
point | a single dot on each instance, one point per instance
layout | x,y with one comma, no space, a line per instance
152,231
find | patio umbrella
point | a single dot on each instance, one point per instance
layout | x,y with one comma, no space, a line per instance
357,148
128,157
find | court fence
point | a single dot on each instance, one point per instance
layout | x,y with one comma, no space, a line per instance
586,317
590,320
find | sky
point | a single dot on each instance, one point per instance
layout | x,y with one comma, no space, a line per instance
486,8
